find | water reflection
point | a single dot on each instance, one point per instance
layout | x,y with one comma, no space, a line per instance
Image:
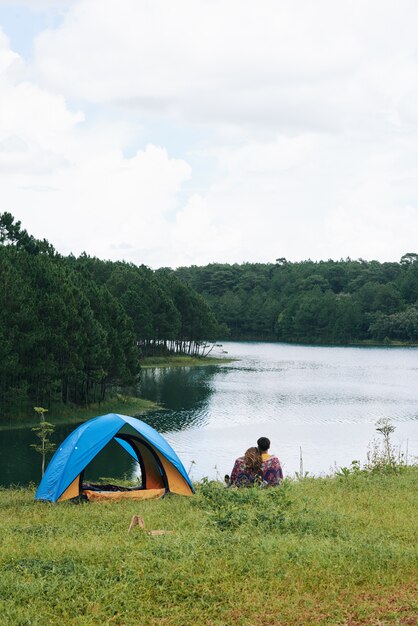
111,462
20,464
184,392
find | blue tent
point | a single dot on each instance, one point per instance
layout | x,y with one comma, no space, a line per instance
161,469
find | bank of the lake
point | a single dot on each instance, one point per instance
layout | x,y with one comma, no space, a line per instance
72,414
318,551
117,403
183,361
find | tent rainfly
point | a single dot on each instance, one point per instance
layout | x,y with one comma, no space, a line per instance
161,469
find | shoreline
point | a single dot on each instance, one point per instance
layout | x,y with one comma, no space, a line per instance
366,343
183,361
128,405
73,415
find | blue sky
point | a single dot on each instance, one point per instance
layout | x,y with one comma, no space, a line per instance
21,23
175,133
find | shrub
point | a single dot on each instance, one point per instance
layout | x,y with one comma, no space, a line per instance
229,508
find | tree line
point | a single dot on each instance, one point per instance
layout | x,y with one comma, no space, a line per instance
73,328
325,302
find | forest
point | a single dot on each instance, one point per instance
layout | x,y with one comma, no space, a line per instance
325,302
74,329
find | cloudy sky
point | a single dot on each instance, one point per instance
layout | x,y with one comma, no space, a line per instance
179,132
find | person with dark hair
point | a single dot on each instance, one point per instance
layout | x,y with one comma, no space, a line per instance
263,444
256,467
271,469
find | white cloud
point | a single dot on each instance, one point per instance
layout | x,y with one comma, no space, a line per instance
290,65
310,113
71,183
34,121
109,206
306,196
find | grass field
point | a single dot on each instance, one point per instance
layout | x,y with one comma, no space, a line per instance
339,550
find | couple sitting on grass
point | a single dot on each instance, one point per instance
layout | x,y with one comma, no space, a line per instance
257,466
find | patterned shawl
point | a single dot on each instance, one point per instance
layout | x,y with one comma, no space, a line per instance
272,473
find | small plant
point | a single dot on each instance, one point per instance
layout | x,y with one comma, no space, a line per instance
300,476
386,428
354,469
382,455
43,432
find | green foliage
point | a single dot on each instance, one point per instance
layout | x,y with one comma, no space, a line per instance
313,302
382,456
229,508
43,432
73,329
401,326
12,234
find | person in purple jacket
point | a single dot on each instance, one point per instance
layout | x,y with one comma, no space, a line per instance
257,466
272,470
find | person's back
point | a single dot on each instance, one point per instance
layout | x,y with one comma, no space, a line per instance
247,469
272,472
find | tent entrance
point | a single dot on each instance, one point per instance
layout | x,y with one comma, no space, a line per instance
152,470
154,479
112,464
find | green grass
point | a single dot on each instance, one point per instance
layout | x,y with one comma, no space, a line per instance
320,551
182,361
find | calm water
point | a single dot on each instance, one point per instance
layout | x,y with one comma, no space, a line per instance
325,400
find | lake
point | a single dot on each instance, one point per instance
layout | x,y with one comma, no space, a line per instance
323,400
